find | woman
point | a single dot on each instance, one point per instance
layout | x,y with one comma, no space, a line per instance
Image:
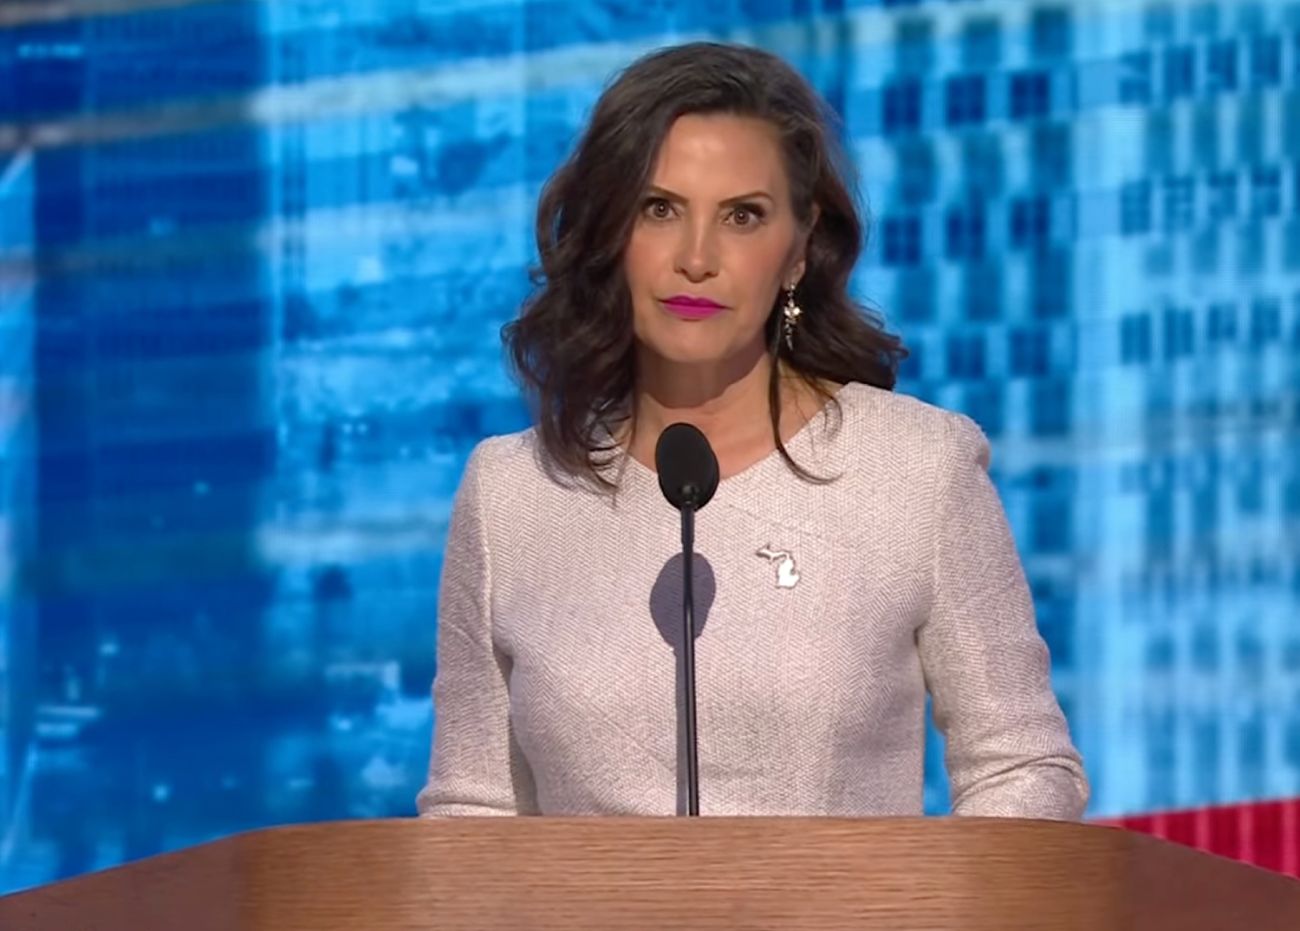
695,257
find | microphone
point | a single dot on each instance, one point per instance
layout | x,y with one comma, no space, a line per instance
688,477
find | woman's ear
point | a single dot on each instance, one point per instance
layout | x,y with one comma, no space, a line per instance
801,265
796,274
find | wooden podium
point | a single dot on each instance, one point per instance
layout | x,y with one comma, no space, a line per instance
670,873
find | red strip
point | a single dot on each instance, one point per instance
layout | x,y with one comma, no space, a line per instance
1265,834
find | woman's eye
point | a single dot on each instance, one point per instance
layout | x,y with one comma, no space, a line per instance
746,216
658,209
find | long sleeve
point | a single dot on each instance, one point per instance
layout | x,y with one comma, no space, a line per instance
475,766
1008,747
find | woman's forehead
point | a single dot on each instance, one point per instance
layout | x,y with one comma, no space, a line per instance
720,154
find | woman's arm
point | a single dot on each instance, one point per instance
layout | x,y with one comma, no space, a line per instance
475,767
1008,747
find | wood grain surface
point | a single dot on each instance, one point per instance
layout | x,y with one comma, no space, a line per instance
760,873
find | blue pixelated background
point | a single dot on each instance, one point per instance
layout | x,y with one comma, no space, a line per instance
254,258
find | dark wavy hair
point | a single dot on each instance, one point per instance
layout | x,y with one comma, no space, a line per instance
572,345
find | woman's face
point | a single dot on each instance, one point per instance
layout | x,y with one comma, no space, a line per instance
714,243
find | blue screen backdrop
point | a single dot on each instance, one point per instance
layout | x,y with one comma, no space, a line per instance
254,258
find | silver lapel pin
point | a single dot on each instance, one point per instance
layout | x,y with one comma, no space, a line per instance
787,574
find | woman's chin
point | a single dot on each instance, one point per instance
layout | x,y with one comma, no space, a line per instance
701,344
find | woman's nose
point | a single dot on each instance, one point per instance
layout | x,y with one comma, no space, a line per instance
697,253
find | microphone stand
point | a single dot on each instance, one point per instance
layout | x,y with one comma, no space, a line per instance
688,652
688,477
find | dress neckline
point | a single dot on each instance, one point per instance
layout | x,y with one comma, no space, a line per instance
799,441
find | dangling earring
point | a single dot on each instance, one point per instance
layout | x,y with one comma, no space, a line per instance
790,317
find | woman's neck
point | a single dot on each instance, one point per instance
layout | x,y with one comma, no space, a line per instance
733,412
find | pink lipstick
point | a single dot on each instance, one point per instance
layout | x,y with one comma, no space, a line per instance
692,308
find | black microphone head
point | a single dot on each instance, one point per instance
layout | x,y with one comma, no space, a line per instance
688,468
